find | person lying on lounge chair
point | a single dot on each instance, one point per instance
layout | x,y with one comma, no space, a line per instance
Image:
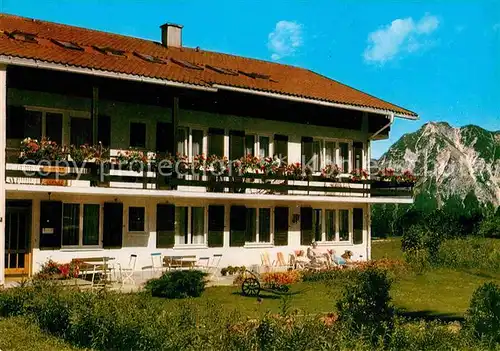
316,256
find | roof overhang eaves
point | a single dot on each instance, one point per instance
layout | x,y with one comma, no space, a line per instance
29,62
316,101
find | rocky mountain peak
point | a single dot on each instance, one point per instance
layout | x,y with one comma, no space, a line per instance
454,164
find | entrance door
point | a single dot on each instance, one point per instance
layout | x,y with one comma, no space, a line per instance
17,229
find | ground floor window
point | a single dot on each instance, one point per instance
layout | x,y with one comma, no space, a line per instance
80,224
190,225
331,225
249,225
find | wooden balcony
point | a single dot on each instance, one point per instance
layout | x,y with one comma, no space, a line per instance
67,174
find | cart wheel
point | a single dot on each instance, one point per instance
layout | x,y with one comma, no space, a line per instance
250,287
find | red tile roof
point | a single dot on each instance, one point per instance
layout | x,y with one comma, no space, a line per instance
217,68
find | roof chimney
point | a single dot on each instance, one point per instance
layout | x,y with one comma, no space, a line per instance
171,35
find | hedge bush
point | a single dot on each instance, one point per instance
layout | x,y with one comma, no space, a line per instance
178,284
365,304
113,321
483,315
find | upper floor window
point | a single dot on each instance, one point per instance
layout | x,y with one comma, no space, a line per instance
281,146
138,134
38,124
80,130
318,153
216,142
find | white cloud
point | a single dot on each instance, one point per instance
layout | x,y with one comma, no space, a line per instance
400,36
285,39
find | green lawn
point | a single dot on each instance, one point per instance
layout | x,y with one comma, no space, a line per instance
18,334
438,293
441,293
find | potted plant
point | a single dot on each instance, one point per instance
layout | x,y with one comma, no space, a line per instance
331,172
135,159
43,150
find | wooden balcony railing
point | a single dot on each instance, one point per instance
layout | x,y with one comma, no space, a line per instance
94,175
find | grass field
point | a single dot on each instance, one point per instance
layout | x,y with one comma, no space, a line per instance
439,293
18,334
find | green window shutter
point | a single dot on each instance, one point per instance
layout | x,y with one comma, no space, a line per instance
104,130
50,224
113,225
357,220
281,226
165,226
216,226
237,226
306,224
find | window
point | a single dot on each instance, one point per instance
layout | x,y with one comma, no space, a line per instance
330,153
81,131
165,226
236,144
250,145
357,226
330,227
138,134
317,225
40,124
357,155
263,146
281,146
216,224
109,51
186,64
71,224
196,142
181,225
344,225
311,153
163,136
80,224
216,142
91,224
197,225
222,70
281,226
251,225
189,225
344,157
237,225
67,45
258,225
149,58
136,219
264,218
181,141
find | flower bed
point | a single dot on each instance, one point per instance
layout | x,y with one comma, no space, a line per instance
54,270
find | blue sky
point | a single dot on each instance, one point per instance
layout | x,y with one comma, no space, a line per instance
440,59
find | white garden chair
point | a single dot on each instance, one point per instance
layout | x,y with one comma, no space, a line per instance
127,273
156,264
213,267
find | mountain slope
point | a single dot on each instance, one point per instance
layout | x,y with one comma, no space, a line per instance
459,168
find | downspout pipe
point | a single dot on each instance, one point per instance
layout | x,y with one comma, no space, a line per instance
391,121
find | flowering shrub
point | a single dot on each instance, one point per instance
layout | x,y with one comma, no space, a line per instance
389,175
331,171
359,174
32,149
408,177
281,278
85,153
135,159
52,269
